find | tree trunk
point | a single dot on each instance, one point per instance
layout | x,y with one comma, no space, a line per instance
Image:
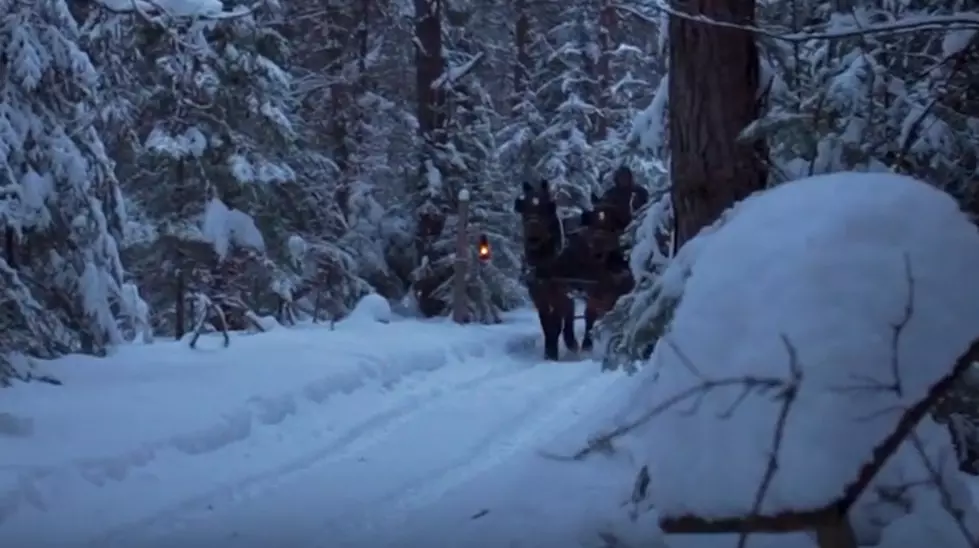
431,128
606,29
428,67
521,38
714,80
10,247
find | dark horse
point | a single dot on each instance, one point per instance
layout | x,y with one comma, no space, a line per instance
550,263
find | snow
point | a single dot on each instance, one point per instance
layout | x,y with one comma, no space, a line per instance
453,74
34,192
914,472
648,127
956,41
133,444
176,8
297,247
371,308
810,277
224,227
191,143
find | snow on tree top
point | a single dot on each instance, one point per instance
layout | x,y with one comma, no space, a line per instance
816,273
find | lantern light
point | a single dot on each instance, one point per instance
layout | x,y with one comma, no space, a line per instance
483,250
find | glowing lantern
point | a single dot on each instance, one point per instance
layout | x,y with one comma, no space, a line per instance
483,250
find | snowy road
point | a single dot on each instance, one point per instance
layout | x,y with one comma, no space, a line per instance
391,446
389,467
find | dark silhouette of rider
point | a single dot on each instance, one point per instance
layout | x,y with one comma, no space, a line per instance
625,192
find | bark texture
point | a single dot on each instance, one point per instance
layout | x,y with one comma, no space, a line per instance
714,78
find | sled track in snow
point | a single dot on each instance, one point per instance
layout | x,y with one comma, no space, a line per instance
366,433
548,409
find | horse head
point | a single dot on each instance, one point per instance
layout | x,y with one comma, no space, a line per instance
541,225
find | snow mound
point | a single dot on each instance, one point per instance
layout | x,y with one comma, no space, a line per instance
812,277
371,308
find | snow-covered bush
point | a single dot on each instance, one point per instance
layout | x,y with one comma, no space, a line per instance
808,324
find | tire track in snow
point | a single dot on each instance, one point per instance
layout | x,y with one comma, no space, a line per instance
356,440
544,415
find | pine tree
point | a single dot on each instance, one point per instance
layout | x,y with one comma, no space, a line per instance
569,159
62,211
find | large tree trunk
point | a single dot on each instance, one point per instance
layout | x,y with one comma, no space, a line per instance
430,211
713,86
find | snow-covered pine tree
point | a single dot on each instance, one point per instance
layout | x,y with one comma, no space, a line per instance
567,94
343,70
466,160
517,136
628,65
472,164
60,207
216,164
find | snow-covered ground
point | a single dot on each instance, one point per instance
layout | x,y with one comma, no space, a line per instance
296,437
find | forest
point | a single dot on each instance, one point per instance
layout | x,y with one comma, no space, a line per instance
169,164
172,166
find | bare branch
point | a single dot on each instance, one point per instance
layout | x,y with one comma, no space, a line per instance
788,396
936,480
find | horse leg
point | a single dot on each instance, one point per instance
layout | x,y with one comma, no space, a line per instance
591,314
567,318
552,333
539,298
550,321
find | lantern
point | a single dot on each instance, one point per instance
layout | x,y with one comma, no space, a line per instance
483,251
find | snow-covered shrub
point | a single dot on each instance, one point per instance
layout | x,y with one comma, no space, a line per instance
806,322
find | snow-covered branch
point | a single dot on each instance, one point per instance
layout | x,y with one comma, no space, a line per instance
455,74
196,9
833,30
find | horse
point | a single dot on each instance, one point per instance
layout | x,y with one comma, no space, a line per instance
551,264
604,226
